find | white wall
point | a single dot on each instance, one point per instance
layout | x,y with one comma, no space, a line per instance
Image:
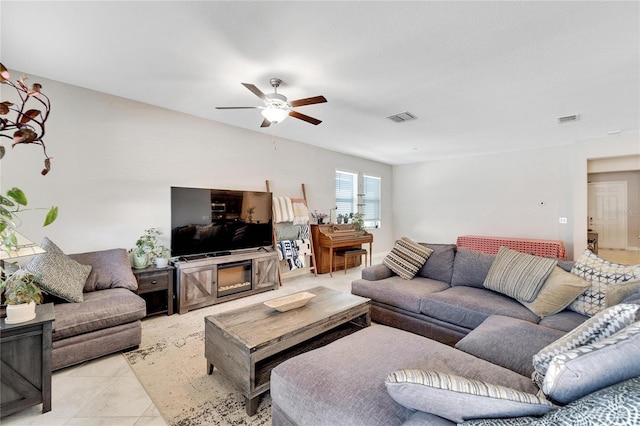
512,194
500,194
114,161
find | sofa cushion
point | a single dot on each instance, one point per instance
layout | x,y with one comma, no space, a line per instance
558,291
439,265
59,275
470,268
342,383
406,258
109,269
615,405
469,306
585,369
459,398
508,342
518,275
564,321
99,310
398,292
600,326
602,274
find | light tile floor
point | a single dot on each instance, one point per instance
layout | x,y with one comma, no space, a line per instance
106,391
100,392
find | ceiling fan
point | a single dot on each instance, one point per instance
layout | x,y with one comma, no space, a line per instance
276,107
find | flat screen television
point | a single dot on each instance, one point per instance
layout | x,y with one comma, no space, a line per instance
218,221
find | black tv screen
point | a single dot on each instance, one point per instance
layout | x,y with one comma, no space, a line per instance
213,221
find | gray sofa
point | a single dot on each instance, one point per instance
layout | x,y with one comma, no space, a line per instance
107,319
349,382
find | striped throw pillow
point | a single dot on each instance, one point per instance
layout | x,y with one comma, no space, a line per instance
458,398
518,275
406,258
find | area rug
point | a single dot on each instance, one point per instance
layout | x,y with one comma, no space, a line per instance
171,366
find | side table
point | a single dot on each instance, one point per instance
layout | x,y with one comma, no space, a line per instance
155,286
25,369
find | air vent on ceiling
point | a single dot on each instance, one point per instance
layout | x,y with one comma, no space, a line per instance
568,118
402,117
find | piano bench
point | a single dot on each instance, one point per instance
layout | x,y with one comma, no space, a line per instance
346,254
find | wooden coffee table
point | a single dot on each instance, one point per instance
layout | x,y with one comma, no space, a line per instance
246,344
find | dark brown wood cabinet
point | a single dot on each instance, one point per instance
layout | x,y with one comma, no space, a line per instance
25,353
155,286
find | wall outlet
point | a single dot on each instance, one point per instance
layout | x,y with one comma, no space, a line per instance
563,220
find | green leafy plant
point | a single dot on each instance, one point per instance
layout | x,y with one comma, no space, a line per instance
149,243
358,220
10,205
21,287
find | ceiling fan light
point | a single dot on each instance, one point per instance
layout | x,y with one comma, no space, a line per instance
275,115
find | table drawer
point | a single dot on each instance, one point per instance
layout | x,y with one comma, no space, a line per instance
153,282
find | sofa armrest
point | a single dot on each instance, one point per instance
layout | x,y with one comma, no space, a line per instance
376,272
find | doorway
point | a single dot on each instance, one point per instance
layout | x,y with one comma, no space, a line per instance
607,210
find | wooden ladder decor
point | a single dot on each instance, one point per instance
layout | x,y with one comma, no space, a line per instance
282,274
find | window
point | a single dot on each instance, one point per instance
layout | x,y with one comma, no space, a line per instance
371,201
351,199
346,191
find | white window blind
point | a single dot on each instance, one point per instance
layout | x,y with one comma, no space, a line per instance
356,192
346,191
371,200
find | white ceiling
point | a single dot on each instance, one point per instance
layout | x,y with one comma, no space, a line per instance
480,76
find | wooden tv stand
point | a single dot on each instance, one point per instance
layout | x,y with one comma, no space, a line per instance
205,281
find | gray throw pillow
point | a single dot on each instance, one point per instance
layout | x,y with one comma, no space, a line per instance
109,269
518,275
470,268
439,265
458,399
578,372
60,275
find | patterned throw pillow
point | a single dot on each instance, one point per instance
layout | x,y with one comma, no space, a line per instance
518,275
602,274
616,405
602,325
60,275
406,258
576,373
458,398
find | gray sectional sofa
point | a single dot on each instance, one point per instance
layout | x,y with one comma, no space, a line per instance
97,311
446,350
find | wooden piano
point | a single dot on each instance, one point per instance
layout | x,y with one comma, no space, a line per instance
328,238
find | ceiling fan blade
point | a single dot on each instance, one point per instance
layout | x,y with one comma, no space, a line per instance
304,117
265,123
308,101
255,91
237,107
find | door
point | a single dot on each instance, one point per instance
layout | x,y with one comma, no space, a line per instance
607,209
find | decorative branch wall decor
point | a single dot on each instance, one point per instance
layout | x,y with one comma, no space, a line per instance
27,127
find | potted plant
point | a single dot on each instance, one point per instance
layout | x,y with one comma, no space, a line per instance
319,217
19,289
162,254
149,249
358,220
21,294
